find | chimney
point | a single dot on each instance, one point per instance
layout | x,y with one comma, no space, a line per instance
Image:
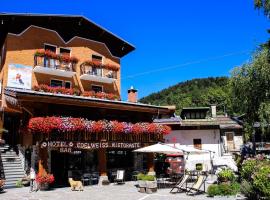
132,95
214,111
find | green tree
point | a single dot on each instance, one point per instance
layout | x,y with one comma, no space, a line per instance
250,88
196,92
263,4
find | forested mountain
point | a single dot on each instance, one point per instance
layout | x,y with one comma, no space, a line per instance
195,92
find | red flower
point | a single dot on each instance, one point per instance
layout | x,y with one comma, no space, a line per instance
166,130
152,128
118,127
69,124
101,95
45,178
137,128
111,67
98,127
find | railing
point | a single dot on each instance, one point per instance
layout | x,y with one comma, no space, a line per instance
262,145
2,174
98,71
54,64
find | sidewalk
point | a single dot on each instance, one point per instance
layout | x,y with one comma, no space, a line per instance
120,192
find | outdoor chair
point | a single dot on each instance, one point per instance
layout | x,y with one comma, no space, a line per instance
86,179
120,177
135,175
195,188
94,178
179,187
161,181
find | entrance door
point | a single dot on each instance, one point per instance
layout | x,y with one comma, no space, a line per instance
68,165
230,141
120,159
65,165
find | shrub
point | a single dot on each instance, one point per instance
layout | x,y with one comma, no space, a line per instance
261,180
213,190
248,167
140,176
19,183
226,175
144,177
247,189
149,178
223,189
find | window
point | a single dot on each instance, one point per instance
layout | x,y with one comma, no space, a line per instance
96,70
197,143
63,51
50,48
56,83
68,84
49,62
97,59
97,88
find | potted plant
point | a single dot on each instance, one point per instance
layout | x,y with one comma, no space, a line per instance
151,184
44,180
141,182
226,175
147,183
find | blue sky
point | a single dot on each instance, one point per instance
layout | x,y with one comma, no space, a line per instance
175,40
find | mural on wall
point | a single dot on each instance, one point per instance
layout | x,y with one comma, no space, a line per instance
19,76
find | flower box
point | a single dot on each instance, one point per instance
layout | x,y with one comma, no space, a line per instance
44,186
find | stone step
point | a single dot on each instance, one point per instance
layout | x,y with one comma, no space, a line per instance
15,174
9,157
8,153
16,161
8,165
14,171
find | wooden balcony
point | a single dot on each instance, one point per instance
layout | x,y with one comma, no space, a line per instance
52,66
97,74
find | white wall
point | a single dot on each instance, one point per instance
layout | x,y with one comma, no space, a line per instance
210,138
210,141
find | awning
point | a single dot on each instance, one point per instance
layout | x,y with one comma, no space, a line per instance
160,148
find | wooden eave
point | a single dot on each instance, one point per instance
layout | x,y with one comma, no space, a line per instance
20,96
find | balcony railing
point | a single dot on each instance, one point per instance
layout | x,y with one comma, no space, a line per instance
99,74
54,66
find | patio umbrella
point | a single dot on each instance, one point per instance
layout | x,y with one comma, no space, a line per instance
160,148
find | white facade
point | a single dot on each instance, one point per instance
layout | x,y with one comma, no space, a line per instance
210,140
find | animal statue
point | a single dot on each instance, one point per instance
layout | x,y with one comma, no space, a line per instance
75,185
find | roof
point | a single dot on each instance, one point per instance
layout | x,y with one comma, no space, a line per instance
67,26
223,122
172,120
195,108
28,95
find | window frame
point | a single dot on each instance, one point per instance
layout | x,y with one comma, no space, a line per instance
97,86
53,79
195,145
69,83
50,45
66,49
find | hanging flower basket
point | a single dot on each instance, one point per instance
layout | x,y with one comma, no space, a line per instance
69,124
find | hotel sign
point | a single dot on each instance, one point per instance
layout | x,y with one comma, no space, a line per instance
73,145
